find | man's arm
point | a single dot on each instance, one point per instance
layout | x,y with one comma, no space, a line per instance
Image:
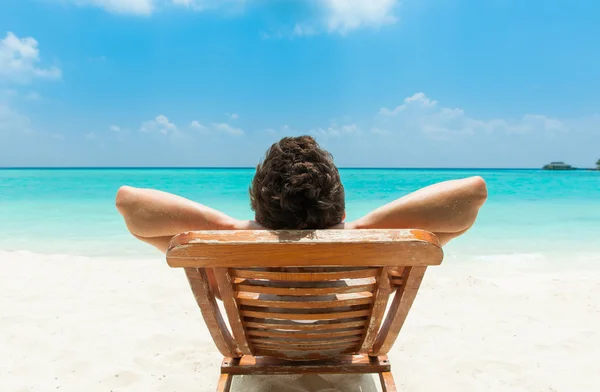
447,209
155,217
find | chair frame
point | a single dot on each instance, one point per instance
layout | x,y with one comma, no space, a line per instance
395,260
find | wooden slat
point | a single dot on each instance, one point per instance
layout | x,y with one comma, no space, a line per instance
312,269
305,284
304,291
248,248
396,275
305,304
305,327
304,335
304,276
337,309
403,300
231,307
387,382
305,355
279,342
327,297
311,343
309,316
224,384
382,295
205,299
268,365
316,349
348,237
397,272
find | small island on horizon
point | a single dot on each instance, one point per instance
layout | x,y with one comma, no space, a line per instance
560,165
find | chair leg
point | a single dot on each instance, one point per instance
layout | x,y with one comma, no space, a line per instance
387,382
224,383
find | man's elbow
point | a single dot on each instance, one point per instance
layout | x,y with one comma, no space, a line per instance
125,199
478,190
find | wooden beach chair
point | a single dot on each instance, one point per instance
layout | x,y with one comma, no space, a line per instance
301,302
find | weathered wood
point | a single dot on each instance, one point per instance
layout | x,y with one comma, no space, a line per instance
249,248
205,299
304,327
403,300
269,365
231,307
300,304
303,335
396,276
304,342
308,349
305,304
382,295
301,316
294,345
298,296
397,272
387,382
240,237
293,291
224,384
304,269
299,355
304,276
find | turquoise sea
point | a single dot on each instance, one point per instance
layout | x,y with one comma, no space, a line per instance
71,211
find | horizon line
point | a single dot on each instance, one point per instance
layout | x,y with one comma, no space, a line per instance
253,167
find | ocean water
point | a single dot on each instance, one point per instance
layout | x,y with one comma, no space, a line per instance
71,211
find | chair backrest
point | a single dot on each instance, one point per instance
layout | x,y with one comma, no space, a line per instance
304,295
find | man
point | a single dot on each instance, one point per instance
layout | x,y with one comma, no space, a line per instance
297,186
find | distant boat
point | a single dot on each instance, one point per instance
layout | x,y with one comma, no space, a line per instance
558,166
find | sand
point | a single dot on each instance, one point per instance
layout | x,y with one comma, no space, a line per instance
501,324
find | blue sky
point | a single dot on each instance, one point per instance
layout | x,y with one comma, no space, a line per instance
413,83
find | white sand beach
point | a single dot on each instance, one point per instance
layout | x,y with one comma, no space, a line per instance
90,324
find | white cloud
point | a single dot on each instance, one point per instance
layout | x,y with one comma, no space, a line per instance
199,127
233,116
19,58
335,130
201,5
134,7
345,15
216,128
228,129
419,100
420,114
341,16
334,16
115,128
160,124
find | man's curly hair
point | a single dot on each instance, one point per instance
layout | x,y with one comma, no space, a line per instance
297,186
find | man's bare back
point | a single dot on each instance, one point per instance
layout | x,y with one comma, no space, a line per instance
447,209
